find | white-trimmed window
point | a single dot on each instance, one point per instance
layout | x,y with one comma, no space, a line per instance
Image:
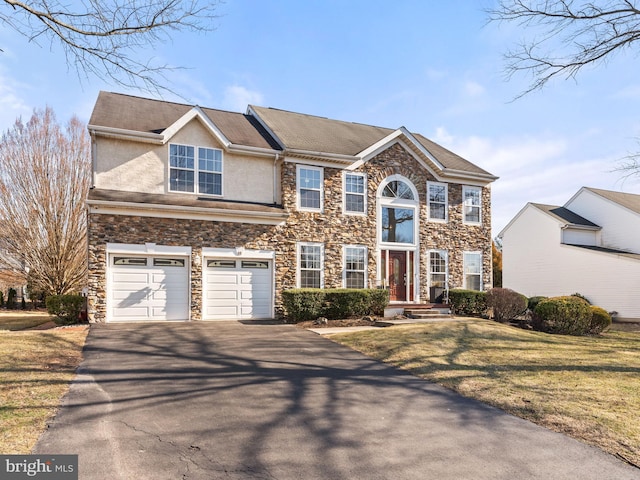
471,204
355,267
310,190
195,169
473,270
398,211
437,194
355,193
310,265
438,268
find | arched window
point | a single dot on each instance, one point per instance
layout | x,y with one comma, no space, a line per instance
397,209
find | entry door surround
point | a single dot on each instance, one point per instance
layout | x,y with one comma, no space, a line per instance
398,274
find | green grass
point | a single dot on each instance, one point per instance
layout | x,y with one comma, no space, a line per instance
586,387
36,368
13,320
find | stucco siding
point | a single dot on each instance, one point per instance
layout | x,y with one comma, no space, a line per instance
620,227
143,167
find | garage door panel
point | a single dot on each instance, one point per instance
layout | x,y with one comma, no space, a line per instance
139,293
240,292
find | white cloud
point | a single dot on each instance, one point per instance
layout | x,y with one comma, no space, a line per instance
541,169
12,105
473,89
237,98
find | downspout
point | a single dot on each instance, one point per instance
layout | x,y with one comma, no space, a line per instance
275,178
94,152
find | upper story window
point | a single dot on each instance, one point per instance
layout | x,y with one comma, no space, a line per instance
310,188
437,201
355,193
397,211
471,204
195,170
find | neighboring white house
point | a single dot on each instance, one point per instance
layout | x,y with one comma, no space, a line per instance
591,246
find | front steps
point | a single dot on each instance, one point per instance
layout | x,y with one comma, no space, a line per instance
419,311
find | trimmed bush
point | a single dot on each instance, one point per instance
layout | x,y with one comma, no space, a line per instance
1,299
534,301
11,298
563,315
66,308
579,295
468,302
312,303
506,304
600,320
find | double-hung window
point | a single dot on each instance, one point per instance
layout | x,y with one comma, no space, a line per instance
309,186
437,201
195,169
310,265
355,267
438,268
472,270
472,201
355,188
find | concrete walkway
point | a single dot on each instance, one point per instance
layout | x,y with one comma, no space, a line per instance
227,400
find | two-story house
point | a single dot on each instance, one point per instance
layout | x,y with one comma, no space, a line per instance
591,246
203,214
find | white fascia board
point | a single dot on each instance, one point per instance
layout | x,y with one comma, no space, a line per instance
317,162
238,252
254,114
124,134
195,112
148,249
257,151
580,227
185,213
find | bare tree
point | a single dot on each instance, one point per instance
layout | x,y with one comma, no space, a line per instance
103,37
45,176
568,35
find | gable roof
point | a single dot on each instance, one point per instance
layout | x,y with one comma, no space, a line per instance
309,133
627,200
271,130
565,215
148,116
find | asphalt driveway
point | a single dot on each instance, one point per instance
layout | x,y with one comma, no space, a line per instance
246,401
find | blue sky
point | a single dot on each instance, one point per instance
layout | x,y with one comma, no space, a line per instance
434,67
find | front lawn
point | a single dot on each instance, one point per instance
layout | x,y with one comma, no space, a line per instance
36,368
586,387
22,319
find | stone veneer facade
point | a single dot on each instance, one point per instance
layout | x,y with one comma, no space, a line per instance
331,227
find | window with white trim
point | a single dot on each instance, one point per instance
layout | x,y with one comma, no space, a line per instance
471,204
310,265
310,188
355,267
438,268
195,169
437,194
473,271
397,211
355,190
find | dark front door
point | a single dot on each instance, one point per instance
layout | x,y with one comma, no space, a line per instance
397,269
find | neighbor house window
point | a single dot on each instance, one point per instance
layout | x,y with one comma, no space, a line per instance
310,192
438,268
310,265
195,170
355,267
437,201
471,198
355,189
472,270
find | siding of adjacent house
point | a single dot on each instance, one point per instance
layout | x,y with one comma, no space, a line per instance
535,262
620,226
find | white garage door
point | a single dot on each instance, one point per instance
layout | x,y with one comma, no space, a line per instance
148,288
238,289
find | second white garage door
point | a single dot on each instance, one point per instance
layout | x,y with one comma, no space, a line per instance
237,289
